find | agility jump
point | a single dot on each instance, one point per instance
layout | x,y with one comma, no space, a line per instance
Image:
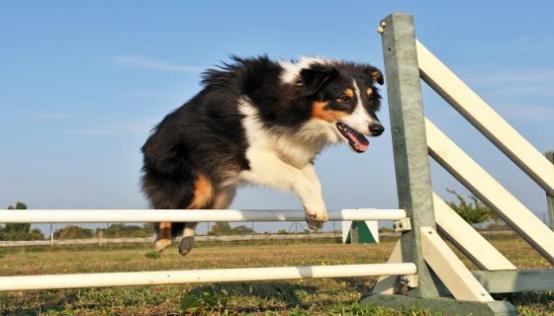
422,270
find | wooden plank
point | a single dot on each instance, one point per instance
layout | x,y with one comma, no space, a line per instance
390,284
485,119
413,177
550,197
467,239
516,281
453,274
486,188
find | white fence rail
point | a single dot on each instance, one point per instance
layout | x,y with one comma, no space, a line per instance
198,238
190,215
65,281
492,193
462,98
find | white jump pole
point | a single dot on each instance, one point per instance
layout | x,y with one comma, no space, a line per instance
189,215
80,280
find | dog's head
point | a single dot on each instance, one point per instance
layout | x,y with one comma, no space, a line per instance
344,95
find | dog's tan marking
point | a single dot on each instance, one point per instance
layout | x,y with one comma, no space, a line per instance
203,192
377,76
165,225
349,92
165,230
322,112
369,91
164,236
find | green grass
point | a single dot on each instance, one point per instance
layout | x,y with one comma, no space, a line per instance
301,297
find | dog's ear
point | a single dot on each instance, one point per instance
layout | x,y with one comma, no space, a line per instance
314,78
375,74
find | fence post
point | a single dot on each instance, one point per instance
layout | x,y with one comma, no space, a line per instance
550,198
413,176
51,235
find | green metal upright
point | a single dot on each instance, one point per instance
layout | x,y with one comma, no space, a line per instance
411,159
413,176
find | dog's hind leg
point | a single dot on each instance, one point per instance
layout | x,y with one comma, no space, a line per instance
170,193
203,198
221,200
163,236
187,242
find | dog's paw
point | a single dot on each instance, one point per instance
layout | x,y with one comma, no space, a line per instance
161,244
186,244
315,220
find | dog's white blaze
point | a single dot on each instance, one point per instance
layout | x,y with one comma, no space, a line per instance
296,149
359,119
291,70
281,161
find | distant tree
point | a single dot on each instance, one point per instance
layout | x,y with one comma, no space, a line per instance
151,227
73,232
472,210
121,231
19,231
223,228
18,227
242,230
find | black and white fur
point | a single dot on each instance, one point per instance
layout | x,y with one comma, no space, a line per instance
258,121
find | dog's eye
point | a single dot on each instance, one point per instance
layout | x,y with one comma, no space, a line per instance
344,98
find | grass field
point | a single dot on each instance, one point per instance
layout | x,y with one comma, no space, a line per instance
302,297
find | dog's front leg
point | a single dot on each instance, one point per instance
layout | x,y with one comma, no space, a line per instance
315,216
269,170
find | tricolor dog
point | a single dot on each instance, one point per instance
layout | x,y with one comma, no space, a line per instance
257,121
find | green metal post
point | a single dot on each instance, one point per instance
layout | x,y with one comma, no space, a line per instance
413,176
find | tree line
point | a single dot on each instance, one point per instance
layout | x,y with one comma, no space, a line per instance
471,209
23,231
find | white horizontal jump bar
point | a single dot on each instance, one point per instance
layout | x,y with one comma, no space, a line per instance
189,215
79,280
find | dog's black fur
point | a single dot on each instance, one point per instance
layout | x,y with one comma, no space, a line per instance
206,136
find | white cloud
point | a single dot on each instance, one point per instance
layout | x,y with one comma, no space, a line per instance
116,128
505,83
51,116
520,94
531,113
515,75
155,64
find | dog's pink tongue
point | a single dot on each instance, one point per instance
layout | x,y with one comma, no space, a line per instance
361,147
357,141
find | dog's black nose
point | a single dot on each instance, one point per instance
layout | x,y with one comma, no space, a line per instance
376,129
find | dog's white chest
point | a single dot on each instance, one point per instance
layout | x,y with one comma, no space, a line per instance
292,149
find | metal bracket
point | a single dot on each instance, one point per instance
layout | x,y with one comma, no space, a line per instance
402,225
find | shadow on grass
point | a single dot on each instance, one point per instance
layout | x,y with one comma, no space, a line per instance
33,303
529,298
361,285
220,297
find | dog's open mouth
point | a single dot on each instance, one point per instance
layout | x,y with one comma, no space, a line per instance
356,140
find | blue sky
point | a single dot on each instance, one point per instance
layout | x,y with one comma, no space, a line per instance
82,83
